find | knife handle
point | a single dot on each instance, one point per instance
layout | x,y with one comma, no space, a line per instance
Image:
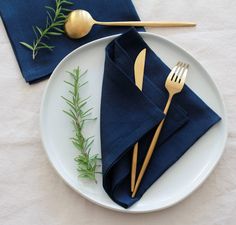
134,166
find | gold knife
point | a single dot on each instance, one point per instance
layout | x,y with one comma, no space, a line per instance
138,76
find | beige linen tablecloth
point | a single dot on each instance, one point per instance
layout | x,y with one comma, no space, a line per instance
31,193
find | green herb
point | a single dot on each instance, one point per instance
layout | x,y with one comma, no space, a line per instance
54,22
87,164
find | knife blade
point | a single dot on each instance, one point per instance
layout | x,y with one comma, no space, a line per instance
139,68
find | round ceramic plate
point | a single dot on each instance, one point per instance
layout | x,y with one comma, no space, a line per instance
177,182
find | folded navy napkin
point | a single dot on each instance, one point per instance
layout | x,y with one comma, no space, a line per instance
129,115
19,17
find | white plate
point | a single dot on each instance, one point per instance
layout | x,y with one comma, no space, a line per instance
181,179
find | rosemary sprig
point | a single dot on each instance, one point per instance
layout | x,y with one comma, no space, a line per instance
55,20
87,164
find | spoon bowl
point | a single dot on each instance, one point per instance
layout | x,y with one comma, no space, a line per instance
78,24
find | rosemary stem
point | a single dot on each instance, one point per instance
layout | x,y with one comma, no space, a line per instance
87,164
55,19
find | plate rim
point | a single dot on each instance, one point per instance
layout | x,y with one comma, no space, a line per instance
181,198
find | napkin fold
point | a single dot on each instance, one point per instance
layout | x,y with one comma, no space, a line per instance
129,115
20,16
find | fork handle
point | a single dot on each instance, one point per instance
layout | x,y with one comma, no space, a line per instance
148,23
151,148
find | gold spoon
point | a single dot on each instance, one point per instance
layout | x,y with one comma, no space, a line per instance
80,22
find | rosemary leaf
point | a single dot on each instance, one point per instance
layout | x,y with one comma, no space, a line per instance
27,45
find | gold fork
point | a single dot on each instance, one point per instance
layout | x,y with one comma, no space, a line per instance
174,84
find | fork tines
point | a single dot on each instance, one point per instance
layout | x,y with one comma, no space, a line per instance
179,72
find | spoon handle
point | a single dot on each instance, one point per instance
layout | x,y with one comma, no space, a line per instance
148,23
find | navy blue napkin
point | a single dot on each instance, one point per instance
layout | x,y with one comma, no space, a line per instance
129,115
19,17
